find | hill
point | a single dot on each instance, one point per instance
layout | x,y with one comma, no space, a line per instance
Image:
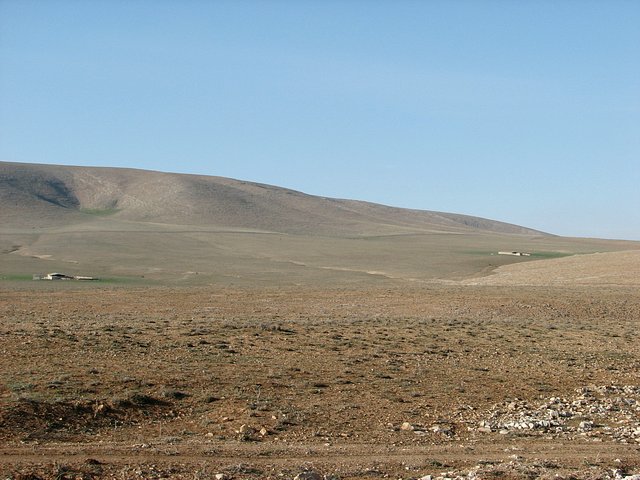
193,228
55,195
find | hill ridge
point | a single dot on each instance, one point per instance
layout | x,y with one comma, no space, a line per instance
59,194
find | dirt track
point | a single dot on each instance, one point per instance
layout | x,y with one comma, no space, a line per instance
358,461
171,383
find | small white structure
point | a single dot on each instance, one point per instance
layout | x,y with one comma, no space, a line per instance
516,254
57,276
61,276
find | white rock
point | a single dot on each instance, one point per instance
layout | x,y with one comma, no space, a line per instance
244,428
309,475
586,425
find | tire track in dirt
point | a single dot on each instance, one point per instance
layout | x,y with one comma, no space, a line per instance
570,453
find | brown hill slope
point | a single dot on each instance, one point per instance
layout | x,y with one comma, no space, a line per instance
50,195
609,268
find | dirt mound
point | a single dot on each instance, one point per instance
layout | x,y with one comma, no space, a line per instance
30,419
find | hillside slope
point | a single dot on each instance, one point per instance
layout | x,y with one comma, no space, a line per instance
49,195
610,268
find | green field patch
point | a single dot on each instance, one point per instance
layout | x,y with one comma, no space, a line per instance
538,255
541,255
15,277
100,212
479,252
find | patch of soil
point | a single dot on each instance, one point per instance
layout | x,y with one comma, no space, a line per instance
39,420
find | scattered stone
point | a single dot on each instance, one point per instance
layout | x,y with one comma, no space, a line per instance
308,475
407,426
246,430
446,430
610,411
586,426
518,467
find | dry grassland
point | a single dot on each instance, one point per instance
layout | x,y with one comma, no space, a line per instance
349,383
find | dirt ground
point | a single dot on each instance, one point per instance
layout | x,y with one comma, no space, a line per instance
386,382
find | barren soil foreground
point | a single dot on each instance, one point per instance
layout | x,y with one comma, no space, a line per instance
491,381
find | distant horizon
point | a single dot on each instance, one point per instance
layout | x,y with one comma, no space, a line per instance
524,113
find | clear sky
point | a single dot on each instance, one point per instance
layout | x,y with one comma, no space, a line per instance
521,111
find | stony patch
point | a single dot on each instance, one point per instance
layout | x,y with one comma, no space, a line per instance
594,412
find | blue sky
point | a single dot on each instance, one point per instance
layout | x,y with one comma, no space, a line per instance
521,111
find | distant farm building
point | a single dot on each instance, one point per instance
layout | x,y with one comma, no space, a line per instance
57,276
61,276
516,254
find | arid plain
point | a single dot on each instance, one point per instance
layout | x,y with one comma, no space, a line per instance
253,332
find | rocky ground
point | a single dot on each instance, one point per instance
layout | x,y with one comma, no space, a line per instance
430,382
